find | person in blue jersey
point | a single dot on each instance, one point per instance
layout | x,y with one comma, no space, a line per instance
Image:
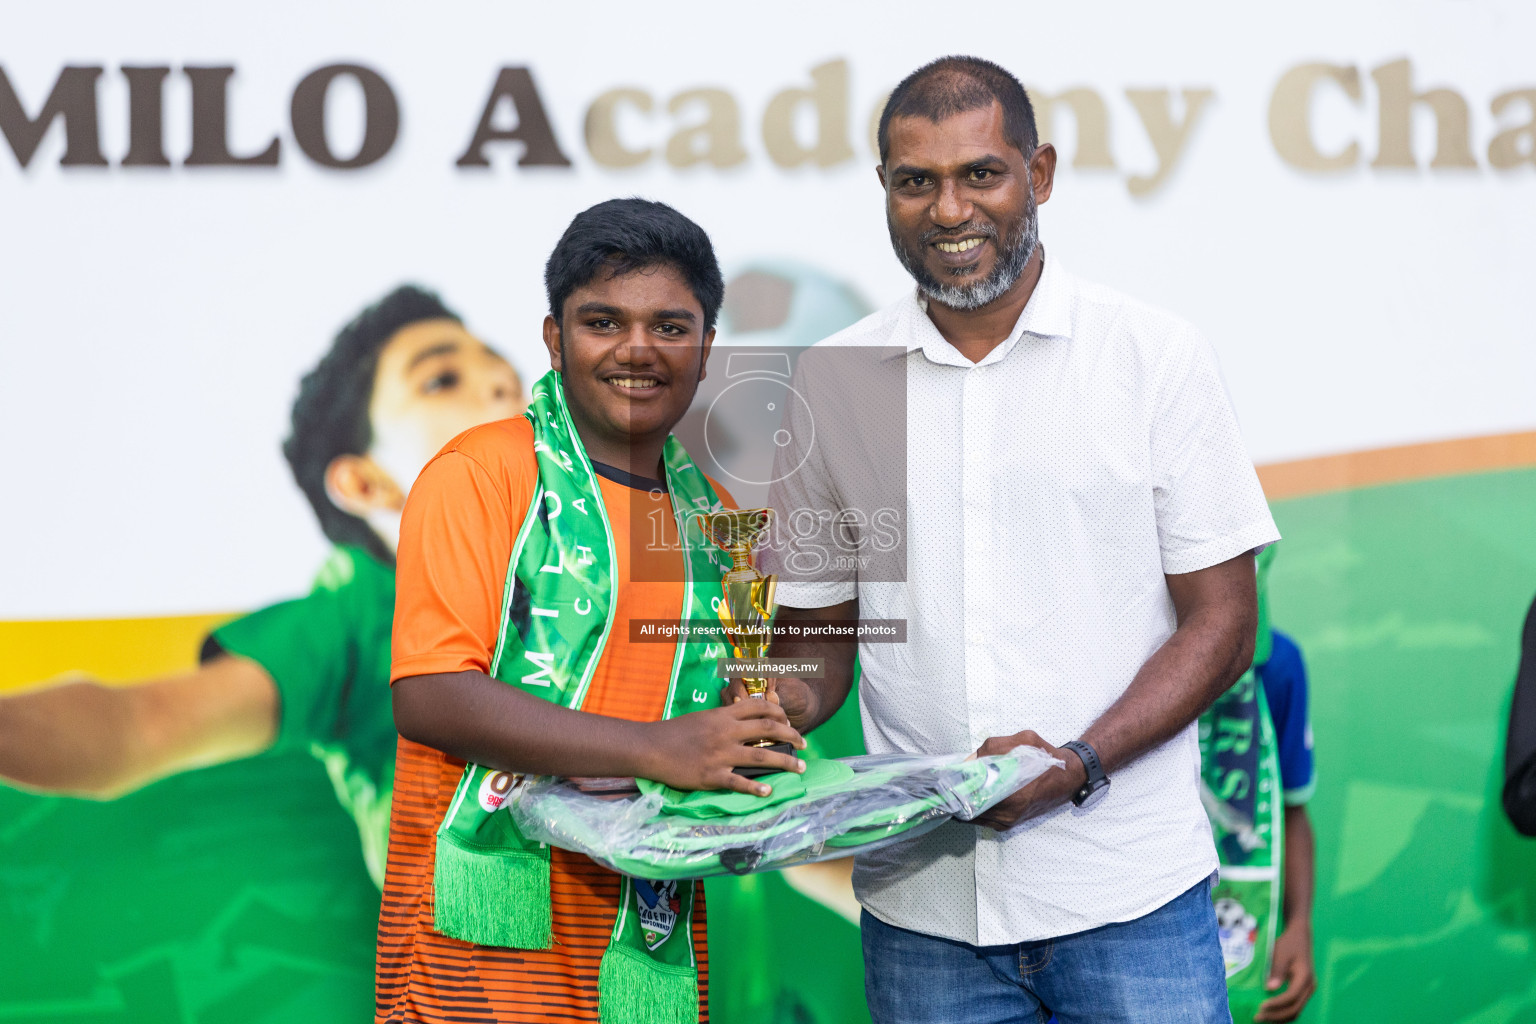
1283,675
1284,679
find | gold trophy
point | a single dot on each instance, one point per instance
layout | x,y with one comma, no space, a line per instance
747,610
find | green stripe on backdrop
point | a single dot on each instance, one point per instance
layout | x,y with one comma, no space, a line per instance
1407,601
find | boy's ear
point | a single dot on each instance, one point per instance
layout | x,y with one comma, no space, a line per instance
359,486
552,341
709,341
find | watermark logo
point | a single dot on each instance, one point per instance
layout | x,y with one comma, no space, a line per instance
761,407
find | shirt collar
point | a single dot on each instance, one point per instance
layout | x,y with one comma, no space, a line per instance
1047,314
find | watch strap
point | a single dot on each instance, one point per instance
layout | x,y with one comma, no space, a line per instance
1096,777
1089,757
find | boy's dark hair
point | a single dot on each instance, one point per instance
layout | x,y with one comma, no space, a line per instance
330,416
954,85
624,235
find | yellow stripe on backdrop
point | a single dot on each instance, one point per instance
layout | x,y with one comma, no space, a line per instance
1396,465
111,650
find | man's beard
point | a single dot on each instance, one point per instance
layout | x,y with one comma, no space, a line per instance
1013,256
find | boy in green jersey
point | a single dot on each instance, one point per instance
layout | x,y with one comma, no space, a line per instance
399,381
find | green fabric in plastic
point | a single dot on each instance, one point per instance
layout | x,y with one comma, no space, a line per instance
820,777
685,835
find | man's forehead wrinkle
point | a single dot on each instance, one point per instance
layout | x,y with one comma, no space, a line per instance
979,135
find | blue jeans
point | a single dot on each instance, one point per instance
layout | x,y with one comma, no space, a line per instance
1164,968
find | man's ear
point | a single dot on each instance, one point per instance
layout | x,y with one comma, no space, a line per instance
1042,172
552,341
709,341
359,486
880,173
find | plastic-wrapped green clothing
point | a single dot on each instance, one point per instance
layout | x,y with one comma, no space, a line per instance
835,808
821,775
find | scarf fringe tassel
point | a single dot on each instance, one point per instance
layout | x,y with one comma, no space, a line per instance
634,989
492,898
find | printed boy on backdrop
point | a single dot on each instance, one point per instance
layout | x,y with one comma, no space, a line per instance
518,581
308,674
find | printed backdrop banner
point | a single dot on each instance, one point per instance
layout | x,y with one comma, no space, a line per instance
1341,197
187,227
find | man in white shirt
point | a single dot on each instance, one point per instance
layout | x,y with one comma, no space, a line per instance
1078,529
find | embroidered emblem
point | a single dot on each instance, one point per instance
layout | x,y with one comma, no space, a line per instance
658,905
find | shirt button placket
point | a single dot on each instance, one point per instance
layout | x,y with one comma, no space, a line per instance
973,525
974,575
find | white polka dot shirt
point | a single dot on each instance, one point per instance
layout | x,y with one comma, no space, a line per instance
1048,489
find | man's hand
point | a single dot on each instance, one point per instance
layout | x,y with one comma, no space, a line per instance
809,702
1050,790
701,750
796,698
1291,966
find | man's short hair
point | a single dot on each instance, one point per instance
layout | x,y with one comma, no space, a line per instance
954,85
331,414
624,235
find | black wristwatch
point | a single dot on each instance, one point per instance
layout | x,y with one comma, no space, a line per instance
1092,791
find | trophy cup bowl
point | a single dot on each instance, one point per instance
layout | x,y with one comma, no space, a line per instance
746,611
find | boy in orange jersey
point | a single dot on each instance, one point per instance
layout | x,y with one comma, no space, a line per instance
517,581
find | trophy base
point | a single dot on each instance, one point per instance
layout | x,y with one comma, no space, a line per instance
752,771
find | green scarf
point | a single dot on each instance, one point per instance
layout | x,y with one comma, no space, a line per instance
1241,789
491,883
